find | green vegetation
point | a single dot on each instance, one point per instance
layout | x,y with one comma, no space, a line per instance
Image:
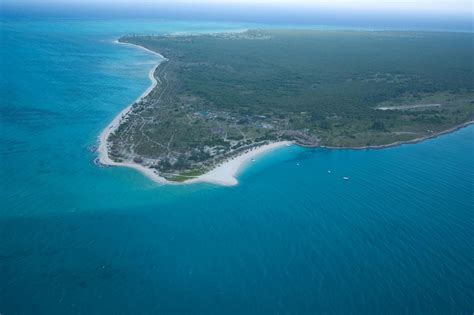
184,176
222,94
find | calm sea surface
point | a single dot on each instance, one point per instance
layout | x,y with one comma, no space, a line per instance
291,238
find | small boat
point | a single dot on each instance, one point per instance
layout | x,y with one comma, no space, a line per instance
329,172
345,178
297,164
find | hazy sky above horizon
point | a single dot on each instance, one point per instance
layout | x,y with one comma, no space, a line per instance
446,6
388,14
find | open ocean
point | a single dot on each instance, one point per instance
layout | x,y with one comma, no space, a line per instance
290,238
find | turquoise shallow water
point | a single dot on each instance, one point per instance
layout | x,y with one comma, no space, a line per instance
291,238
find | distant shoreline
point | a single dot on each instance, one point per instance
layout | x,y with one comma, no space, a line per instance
223,174
398,143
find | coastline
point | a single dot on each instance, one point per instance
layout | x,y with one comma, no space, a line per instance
102,148
224,174
398,143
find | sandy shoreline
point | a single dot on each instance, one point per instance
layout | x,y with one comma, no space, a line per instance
102,148
224,174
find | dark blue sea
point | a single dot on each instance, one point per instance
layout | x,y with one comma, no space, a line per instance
291,238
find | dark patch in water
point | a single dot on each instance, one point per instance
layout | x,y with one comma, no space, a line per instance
26,115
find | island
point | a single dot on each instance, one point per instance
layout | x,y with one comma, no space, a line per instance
218,100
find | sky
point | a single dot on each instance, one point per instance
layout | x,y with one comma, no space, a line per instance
443,13
441,6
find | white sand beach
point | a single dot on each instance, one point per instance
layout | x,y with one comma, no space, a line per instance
226,173
102,148
223,174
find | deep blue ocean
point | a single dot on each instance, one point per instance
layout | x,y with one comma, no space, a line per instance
290,238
